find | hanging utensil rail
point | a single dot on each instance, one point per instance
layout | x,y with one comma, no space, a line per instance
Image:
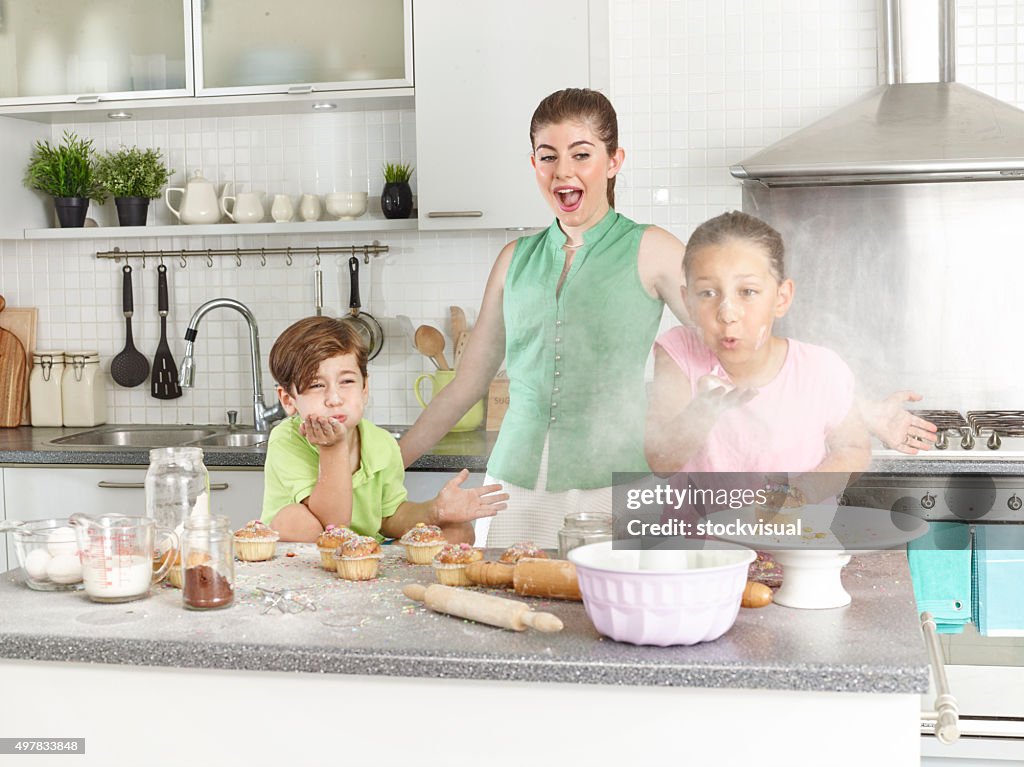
373,249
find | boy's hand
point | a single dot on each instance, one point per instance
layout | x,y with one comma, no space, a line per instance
458,504
325,432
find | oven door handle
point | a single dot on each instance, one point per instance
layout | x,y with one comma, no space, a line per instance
946,715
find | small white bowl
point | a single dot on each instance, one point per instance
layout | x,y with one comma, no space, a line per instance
346,205
662,598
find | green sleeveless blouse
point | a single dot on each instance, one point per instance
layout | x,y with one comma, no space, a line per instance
576,359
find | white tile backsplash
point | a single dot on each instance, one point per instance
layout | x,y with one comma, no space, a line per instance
698,84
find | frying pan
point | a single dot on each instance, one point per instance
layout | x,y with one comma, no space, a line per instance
364,322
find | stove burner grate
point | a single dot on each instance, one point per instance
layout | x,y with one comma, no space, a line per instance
943,419
1008,423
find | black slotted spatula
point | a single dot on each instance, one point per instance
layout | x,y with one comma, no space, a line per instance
129,367
164,381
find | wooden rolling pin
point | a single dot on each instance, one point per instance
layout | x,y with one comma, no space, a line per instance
482,608
551,578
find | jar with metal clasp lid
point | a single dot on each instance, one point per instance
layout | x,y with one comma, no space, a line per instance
582,528
83,389
44,388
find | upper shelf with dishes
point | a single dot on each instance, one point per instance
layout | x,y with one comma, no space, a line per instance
169,54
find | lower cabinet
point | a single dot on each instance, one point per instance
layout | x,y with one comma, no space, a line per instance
42,492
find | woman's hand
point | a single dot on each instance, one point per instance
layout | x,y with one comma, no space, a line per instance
895,426
456,504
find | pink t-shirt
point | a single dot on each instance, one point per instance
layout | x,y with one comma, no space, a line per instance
784,427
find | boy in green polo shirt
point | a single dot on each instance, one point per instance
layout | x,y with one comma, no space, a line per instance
327,465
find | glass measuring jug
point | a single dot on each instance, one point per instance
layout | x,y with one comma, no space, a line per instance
117,555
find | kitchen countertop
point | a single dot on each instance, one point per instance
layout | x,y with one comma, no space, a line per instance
29,445
462,450
874,645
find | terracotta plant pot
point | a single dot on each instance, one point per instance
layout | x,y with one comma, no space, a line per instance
71,211
396,200
131,211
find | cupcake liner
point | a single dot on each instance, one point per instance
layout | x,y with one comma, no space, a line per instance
452,574
255,549
422,553
358,568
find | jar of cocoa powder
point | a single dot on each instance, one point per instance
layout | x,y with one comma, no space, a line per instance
208,563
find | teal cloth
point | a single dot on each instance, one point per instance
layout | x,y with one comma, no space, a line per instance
940,567
999,572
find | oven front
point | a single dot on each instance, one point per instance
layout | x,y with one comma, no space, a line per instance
984,656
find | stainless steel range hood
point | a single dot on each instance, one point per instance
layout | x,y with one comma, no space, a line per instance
906,130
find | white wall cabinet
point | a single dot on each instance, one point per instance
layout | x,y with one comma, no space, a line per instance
43,492
52,51
481,70
266,46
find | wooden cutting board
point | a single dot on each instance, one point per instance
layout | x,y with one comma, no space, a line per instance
22,322
13,379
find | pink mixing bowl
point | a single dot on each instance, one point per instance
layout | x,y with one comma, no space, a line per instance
662,597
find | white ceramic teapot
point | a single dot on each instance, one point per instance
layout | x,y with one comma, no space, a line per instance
199,203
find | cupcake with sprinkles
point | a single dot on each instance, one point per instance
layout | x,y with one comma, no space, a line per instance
255,542
329,540
358,558
422,542
450,563
525,550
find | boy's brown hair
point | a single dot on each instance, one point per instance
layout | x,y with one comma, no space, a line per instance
297,353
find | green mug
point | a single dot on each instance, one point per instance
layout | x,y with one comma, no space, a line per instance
440,379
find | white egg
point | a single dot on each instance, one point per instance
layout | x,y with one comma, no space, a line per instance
62,541
36,562
65,568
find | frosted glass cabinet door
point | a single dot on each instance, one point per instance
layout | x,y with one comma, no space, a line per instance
267,46
54,51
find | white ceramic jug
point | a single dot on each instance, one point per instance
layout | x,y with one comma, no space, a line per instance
246,207
198,201
283,210
309,207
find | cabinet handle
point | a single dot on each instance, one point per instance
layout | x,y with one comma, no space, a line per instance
298,90
455,214
90,99
142,486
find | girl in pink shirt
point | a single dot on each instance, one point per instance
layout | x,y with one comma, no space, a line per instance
728,395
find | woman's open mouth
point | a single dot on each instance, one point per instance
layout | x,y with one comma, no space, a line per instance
569,198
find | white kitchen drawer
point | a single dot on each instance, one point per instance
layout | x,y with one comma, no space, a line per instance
41,492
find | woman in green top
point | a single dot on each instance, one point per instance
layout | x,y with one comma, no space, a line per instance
573,310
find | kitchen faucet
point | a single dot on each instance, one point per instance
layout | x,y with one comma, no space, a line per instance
261,414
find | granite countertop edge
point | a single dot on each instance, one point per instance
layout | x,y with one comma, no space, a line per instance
322,660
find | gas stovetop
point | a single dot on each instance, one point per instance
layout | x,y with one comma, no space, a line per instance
976,435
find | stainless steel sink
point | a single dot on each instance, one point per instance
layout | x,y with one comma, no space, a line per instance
141,436
163,436
233,439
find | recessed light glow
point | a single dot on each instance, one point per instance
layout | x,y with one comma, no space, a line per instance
323,105
119,115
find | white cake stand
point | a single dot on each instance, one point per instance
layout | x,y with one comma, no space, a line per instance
812,562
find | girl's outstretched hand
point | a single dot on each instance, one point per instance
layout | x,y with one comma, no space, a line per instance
456,504
898,428
715,396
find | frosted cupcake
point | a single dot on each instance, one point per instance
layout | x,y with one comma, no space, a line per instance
329,540
525,550
422,542
255,542
358,558
450,563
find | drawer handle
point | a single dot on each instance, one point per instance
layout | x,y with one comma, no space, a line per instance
299,90
455,214
142,486
90,99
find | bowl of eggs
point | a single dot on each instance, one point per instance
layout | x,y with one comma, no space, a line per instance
47,551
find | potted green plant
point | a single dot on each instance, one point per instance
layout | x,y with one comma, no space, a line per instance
67,172
396,199
134,177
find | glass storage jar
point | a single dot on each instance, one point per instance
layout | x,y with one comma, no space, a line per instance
44,385
208,563
582,528
177,486
83,390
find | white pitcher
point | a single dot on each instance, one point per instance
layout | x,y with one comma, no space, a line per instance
283,210
198,201
246,207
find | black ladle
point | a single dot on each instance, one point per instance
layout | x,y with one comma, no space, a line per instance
129,367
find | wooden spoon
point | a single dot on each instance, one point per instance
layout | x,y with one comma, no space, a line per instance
458,321
430,342
461,342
